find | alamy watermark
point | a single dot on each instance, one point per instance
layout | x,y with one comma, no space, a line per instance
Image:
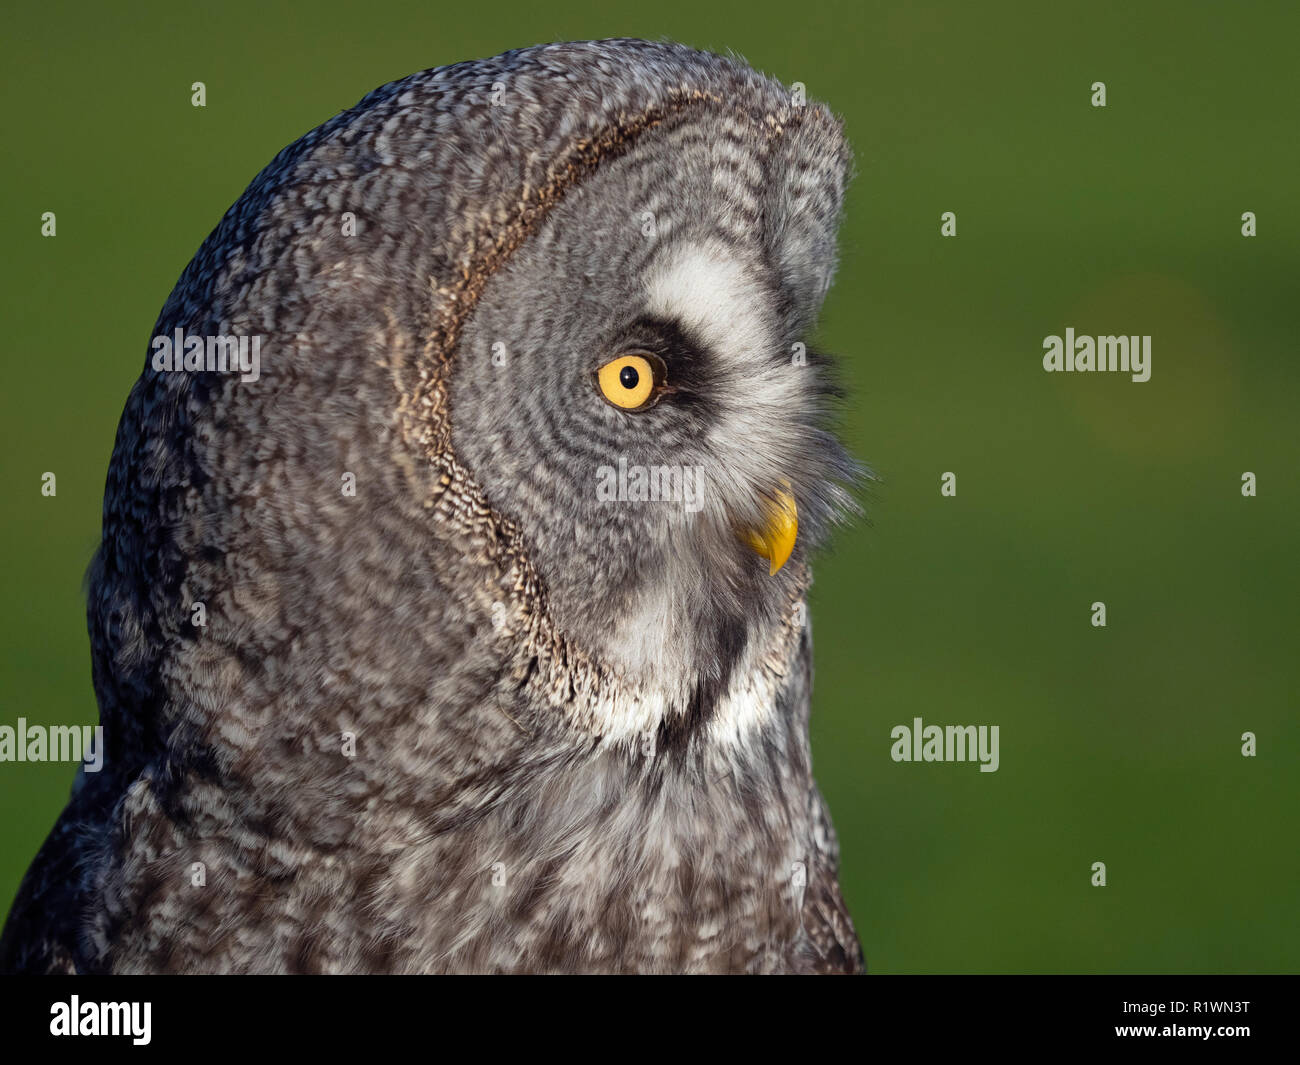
207,354
953,743
1130,355
651,484
53,743
75,1017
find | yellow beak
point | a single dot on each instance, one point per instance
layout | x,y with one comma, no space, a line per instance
775,540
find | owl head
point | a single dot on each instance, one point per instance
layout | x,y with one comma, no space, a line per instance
551,313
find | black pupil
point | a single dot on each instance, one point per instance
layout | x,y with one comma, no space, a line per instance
628,377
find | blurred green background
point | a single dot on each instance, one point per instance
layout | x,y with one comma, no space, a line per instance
1119,744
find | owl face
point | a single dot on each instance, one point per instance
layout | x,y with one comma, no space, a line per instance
634,389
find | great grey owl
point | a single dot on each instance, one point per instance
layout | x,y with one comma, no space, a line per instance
456,637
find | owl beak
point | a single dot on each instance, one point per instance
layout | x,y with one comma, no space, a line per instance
775,540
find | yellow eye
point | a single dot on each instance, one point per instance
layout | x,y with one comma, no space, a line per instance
631,381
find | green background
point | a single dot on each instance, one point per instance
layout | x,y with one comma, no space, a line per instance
1119,744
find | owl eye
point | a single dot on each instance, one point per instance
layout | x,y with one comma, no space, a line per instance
632,382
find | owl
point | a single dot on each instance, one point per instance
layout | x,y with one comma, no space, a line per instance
449,613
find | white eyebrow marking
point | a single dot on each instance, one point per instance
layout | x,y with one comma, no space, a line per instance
712,295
